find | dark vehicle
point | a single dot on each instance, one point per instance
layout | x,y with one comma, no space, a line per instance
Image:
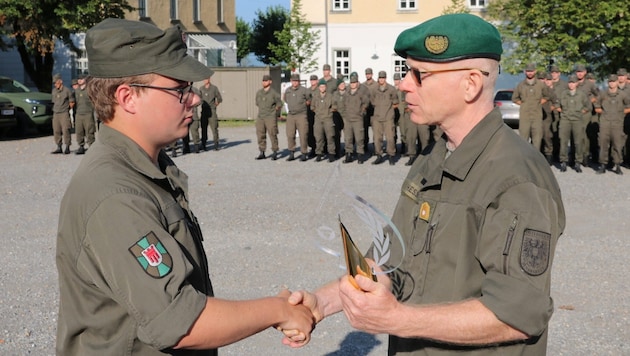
509,110
31,108
8,120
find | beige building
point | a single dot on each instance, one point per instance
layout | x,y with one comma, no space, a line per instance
360,34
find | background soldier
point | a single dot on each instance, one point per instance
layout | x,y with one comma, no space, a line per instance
590,90
313,89
530,94
573,104
612,105
84,125
366,88
298,99
211,98
559,85
338,113
322,104
63,101
269,106
548,118
384,99
355,105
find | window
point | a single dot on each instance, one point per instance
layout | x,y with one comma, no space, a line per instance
477,3
342,62
196,11
143,11
81,64
340,5
400,67
407,5
220,14
174,12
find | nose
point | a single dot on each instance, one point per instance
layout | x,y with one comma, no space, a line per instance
407,83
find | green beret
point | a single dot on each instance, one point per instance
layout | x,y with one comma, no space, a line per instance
322,81
449,38
339,81
123,48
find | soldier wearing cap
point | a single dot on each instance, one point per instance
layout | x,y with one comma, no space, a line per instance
323,105
588,119
530,95
573,104
339,100
312,89
558,85
63,101
612,105
355,105
133,273
385,100
269,105
622,75
398,117
366,88
210,99
297,99
547,122
84,124
476,273
331,82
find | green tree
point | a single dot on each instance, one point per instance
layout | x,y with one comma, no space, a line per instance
456,7
296,42
564,33
243,36
34,25
264,28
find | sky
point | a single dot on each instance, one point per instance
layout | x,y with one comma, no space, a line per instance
246,9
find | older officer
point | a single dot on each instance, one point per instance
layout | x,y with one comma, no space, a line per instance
573,104
355,105
531,94
298,99
612,105
63,101
269,106
384,99
481,214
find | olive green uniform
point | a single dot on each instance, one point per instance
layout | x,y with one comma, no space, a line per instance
297,120
211,97
269,104
591,91
611,125
574,106
413,132
61,123
366,88
470,233
547,123
133,274
530,93
324,127
84,125
355,105
384,99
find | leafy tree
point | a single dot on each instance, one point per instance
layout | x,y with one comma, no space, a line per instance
296,42
36,24
243,36
564,33
456,7
263,31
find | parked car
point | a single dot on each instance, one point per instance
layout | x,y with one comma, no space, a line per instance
31,108
509,110
8,120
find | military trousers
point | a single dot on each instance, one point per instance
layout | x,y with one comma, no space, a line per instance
590,134
264,127
85,127
531,128
567,129
299,123
324,134
547,135
353,135
611,137
417,133
211,121
384,128
62,125
194,131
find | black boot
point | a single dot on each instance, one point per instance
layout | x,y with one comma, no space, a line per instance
67,150
274,155
549,159
410,161
578,169
291,156
319,158
331,157
379,159
360,158
348,158
391,160
601,169
563,167
57,151
617,169
202,147
261,155
196,149
216,145
80,151
304,157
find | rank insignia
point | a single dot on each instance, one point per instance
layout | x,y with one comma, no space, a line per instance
425,211
436,44
152,256
535,252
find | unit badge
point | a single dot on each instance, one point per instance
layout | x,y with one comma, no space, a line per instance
535,252
436,44
152,256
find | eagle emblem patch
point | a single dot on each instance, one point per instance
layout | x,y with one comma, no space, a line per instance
152,256
535,252
436,44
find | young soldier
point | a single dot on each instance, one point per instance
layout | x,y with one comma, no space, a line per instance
612,105
63,101
355,104
84,125
269,106
573,105
211,99
323,106
298,99
384,99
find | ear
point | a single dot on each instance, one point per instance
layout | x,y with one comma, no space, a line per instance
473,85
127,98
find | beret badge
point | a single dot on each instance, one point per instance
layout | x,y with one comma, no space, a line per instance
436,44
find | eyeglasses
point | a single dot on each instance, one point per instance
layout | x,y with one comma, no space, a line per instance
184,92
419,73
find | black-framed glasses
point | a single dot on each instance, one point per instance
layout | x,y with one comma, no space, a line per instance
184,92
419,73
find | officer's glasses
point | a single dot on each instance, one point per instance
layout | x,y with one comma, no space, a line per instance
418,74
184,92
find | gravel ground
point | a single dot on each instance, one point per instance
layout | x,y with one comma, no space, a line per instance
254,216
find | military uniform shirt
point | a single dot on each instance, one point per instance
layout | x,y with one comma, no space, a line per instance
268,101
296,99
61,99
211,97
322,106
355,105
383,97
83,104
482,223
133,274
574,105
530,93
613,105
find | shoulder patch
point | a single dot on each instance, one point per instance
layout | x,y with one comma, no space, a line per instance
152,256
535,252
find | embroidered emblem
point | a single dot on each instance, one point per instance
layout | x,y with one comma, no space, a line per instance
535,252
152,256
425,211
436,44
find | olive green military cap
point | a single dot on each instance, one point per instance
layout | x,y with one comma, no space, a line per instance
590,76
396,76
382,74
548,76
580,68
613,78
554,69
75,81
354,77
449,38
326,67
122,48
56,77
622,71
266,77
572,78
313,77
368,70
295,76
530,67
